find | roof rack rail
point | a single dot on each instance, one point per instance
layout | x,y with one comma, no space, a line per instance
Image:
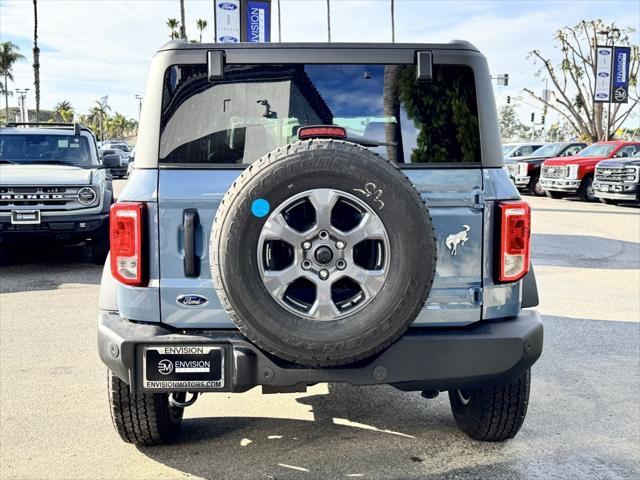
77,127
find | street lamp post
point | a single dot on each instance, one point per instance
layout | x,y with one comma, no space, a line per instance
139,98
24,112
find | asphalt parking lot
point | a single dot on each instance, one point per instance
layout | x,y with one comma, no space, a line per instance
583,419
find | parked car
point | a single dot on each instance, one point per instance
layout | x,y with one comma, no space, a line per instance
253,249
574,175
53,188
120,167
525,171
510,150
130,168
117,145
618,180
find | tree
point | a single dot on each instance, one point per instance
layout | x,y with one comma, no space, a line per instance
9,55
201,24
183,25
99,112
64,112
173,25
511,127
36,58
573,79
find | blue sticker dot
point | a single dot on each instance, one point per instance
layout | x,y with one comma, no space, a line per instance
260,207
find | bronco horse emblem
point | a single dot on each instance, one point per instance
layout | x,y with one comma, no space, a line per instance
452,241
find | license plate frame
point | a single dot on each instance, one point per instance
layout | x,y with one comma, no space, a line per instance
183,367
25,217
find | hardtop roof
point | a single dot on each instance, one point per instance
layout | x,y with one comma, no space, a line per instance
184,45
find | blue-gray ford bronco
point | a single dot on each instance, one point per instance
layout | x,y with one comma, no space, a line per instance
308,213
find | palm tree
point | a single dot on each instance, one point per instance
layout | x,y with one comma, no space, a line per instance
201,24
183,24
100,110
64,111
173,24
9,54
36,58
119,124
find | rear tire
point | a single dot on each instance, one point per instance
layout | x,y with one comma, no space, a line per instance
556,195
142,418
492,413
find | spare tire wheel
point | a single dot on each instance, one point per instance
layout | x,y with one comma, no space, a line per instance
322,252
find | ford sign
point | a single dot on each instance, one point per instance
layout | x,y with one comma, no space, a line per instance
227,6
603,74
601,95
228,39
192,300
604,52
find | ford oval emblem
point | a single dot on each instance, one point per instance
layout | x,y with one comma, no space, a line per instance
228,39
227,6
601,95
192,300
604,52
603,74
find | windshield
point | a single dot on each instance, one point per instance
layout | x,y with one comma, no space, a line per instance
507,148
597,150
551,150
43,149
120,146
255,109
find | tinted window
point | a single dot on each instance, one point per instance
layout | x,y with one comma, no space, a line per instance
56,149
255,109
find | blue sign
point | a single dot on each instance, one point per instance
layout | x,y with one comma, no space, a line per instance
620,75
258,21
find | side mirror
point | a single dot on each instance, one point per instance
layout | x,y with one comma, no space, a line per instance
111,161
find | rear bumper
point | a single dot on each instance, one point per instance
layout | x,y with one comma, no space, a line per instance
65,229
560,185
422,359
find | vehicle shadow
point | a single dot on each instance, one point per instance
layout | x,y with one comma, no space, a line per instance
371,432
584,251
31,268
379,432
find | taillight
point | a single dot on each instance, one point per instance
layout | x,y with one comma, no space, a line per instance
321,131
126,233
515,232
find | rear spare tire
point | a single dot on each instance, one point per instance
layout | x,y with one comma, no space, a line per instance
322,252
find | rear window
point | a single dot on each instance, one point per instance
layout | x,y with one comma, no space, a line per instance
257,108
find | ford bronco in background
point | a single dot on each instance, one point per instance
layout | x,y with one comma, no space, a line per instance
618,180
304,213
574,175
53,187
525,171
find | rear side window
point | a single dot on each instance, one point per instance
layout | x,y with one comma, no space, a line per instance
257,108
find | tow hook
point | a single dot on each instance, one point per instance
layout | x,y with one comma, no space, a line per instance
173,402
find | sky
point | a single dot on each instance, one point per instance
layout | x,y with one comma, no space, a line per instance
92,48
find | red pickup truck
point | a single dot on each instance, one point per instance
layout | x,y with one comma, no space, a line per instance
564,176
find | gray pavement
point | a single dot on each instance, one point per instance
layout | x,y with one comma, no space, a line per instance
583,419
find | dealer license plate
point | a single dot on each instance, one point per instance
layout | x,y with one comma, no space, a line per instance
604,188
183,367
25,217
